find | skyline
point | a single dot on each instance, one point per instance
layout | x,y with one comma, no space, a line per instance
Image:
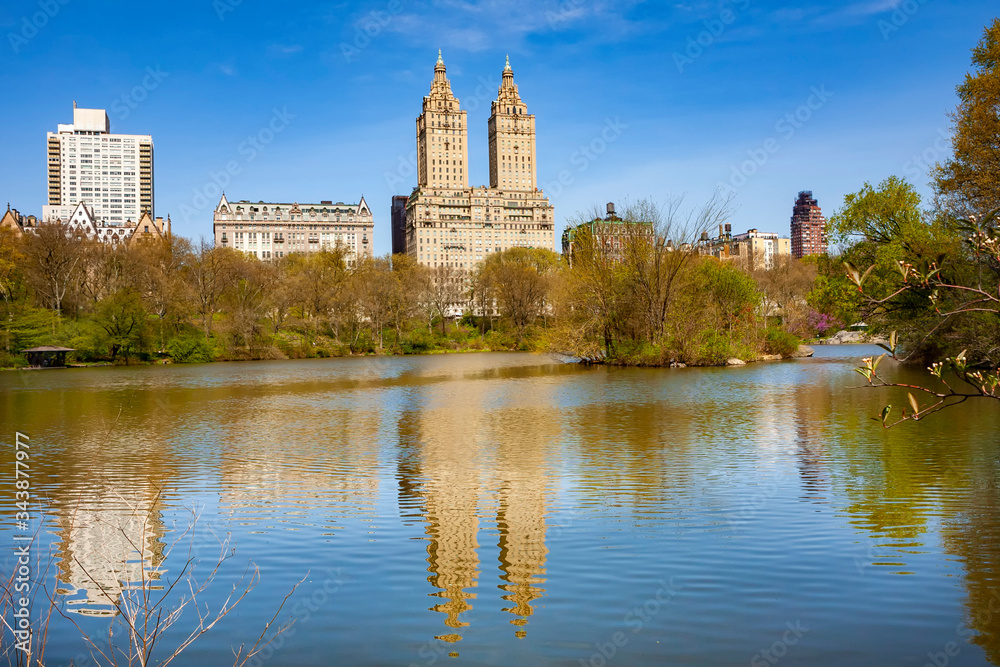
663,115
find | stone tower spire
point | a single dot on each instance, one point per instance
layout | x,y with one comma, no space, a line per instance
512,139
442,136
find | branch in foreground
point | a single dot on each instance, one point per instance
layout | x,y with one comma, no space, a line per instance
979,384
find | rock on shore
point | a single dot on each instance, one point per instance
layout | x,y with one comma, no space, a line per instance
851,338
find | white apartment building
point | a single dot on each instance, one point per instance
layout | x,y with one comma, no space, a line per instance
112,174
270,230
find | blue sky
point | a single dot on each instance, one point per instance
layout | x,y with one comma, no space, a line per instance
633,98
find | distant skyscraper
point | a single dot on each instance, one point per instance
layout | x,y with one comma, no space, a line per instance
399,224
112,174
808,227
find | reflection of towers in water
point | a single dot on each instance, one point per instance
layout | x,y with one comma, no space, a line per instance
448,443
451,484
523,492
109,546
521,524
813,405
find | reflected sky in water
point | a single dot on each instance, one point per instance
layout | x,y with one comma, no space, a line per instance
505,508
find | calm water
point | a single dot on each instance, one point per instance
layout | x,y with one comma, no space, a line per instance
510,510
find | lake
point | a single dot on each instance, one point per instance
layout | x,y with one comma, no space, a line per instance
507,509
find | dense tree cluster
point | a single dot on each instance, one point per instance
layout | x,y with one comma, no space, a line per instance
652,301
173,299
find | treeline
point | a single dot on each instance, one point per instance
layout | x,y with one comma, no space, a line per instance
654,300
171,299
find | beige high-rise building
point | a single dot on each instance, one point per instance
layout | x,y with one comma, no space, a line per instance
449,224
512,139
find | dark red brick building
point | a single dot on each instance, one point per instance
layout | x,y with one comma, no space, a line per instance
808,227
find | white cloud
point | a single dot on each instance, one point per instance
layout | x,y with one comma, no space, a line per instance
480,25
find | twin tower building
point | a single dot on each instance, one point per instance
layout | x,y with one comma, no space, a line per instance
449,224
444,223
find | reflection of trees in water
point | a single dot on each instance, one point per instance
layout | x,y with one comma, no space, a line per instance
972,532
901,481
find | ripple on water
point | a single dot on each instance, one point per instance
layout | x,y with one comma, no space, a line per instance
509,510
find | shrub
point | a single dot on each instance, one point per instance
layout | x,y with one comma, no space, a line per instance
419,341
714,348
189,350
777,341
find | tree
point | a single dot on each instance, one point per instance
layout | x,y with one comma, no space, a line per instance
209,274
656,261
410,278
886,227
969,183
442,292
123,323
877,216
12,283
521,279
380,293
159,279
319,279
246,301
964,296
53,257
785,286
595,298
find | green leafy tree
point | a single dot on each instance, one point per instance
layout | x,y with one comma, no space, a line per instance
969,183
122,324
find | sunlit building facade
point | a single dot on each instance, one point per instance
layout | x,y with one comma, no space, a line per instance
271,230
111,173
448,223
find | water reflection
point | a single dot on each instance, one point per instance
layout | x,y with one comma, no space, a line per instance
464,449
109,544
480,458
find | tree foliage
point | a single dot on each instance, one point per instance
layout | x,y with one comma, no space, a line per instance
969,183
